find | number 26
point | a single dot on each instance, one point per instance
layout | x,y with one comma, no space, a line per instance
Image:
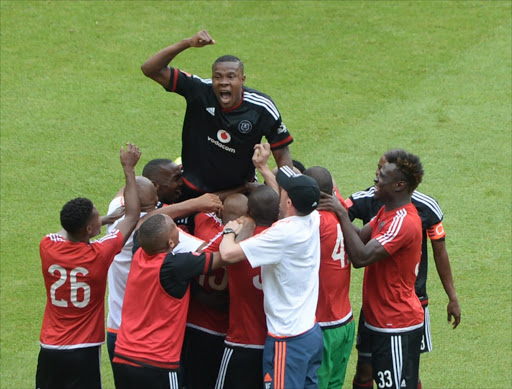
74,286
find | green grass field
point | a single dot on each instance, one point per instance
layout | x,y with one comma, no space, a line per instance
351,79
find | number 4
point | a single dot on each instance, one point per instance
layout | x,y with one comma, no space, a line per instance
339,248
74,286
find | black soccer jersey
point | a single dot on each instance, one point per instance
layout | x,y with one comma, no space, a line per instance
362,205
217,144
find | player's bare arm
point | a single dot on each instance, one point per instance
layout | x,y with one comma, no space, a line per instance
282,156
360,254
259,159
230,250
157,67
129,158
445,274
208,202
112,217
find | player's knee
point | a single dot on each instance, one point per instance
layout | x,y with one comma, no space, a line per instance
363,376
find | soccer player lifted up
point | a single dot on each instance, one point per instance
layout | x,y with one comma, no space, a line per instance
75,276
390,249
224,119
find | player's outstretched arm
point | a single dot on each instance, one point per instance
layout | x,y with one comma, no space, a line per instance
445,274
112,217
259,159
129,158
157,67
361,253
207,202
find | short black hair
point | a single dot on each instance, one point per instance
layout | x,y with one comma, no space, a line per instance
75,214
263,205
230,58
323,178
152,168
151,232
408,165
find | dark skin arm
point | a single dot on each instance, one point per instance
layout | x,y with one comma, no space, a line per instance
129,159
157,67
445,274
361,250
112,217
259,159
208,202
282,156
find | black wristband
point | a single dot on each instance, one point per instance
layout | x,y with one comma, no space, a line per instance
228,231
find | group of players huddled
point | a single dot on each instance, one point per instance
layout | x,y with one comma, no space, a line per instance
218,281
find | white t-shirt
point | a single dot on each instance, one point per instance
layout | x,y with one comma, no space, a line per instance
120,267
289,256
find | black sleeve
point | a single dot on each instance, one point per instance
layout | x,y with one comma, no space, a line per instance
178,270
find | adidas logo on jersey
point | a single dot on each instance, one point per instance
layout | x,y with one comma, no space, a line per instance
211,110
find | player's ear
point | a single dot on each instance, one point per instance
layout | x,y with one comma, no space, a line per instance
400,186
170,244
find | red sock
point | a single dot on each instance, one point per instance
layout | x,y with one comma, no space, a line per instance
419,383
362,385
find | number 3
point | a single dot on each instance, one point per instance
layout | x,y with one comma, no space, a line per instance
74,286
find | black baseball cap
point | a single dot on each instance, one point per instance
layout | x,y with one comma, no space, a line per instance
302,190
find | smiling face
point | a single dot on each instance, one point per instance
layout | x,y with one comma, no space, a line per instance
169,183
381,163
386,181
227,81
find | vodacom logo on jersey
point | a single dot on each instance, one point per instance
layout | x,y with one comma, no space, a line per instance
223,136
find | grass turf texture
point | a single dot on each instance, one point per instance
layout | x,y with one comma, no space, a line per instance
351,79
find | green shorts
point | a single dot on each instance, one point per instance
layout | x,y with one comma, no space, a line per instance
338,343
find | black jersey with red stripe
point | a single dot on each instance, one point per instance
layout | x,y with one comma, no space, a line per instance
217,144
362,205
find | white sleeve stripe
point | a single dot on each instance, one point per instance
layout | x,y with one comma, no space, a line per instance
394,229
429,202
288,171
56,238
364,193
269,103
212,240
112,235
263,102
203,80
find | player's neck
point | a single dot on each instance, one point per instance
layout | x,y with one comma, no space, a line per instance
74,238
397,202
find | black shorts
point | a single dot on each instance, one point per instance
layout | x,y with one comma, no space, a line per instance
396,358
201,357
137,377
69,369
241,368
